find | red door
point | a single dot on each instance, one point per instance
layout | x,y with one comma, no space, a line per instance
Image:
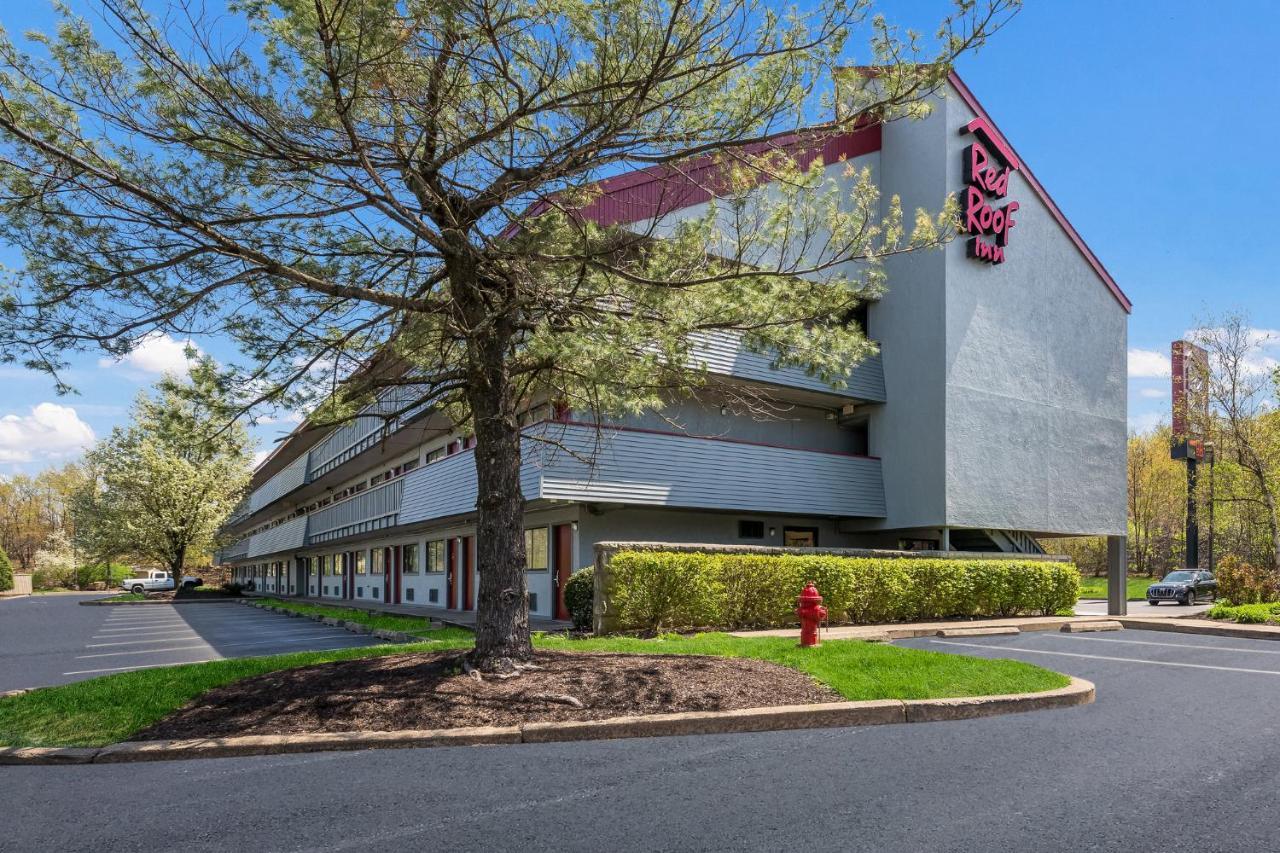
563,555
468,569
450,573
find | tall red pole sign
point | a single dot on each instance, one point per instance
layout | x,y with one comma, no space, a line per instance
988,163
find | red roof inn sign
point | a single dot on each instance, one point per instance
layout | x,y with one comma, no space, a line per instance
988,163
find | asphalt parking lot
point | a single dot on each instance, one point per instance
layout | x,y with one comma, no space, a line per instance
1179,753
51,639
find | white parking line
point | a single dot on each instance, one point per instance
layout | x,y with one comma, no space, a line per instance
119,632
1172,645
176,663
197,636
201,645
1104,657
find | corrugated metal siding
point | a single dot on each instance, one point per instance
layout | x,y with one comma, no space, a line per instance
653,469
345,442
371,505
649,469
448,486
234,551
366,430
723,353
285,480
283,537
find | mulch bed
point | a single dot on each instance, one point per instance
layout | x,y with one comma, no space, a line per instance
429,691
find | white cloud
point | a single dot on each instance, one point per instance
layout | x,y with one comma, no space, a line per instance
1145,422
1154,393
261,456
49,432
1149,364
285,418
157,353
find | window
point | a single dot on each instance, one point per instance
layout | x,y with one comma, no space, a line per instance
438,453
409,465
436,556
536,548
337,565
409,559
361,566
800,537
379,561
750,529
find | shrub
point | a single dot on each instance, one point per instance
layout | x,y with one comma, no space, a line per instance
1244,583
232,588
579,593
6,572
651,590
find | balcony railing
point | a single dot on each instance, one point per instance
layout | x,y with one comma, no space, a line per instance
374,509
578,462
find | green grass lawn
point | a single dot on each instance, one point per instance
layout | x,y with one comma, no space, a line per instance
1097,587
1246,614
417,625
111,708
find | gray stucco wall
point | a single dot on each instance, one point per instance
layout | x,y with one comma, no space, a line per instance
1036,397
908,432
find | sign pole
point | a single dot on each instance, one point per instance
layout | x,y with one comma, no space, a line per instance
1193,528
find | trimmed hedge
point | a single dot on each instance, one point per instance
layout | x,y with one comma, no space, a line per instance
652,590
578,595
6,572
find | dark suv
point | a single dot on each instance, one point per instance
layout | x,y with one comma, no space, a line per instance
1184,587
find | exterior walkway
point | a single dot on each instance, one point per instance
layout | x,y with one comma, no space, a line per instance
459,618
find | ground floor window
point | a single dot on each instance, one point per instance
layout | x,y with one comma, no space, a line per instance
537,544
378,564
337,564
800,537
409,560
436,556
360,563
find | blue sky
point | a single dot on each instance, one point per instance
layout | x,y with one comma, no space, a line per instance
1153,125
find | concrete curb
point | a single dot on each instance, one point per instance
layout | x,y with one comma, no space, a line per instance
333,622
1185,625
781,718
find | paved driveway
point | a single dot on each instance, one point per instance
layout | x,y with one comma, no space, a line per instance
51,639
1098,607
1179,753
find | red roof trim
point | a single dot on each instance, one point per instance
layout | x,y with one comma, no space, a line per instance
660,190
968,97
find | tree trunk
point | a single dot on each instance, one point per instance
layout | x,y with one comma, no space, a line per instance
176,564
502,617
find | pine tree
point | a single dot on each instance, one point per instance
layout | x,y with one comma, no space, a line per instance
6,572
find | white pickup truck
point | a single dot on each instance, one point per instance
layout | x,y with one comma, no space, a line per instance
157,581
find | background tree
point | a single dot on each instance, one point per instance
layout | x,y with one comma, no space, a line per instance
33,507
167,481
1242,392
1157,504
6,572
329,180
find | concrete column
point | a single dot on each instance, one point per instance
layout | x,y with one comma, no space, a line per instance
1117,580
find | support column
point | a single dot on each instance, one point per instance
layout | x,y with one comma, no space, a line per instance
1117,580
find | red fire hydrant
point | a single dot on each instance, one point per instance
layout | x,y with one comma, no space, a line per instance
811,612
